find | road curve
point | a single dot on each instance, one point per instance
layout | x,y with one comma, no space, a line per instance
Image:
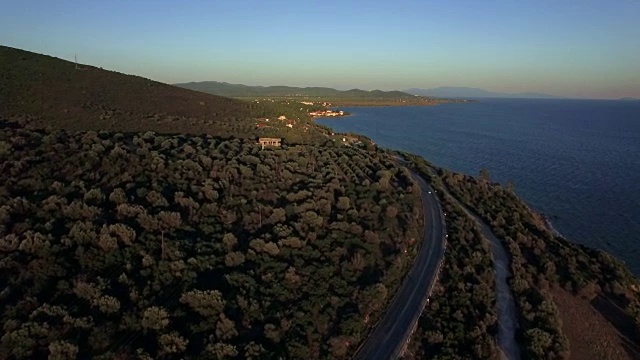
393,330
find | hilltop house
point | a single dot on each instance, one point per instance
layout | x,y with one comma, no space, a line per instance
264,142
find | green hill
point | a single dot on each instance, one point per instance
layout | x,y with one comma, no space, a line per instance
49,92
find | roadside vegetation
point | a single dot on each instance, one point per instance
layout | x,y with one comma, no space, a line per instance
541,261
459,321
547,272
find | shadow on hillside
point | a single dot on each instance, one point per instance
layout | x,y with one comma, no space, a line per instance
624,324
630,348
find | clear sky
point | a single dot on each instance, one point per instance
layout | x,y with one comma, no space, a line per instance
572,48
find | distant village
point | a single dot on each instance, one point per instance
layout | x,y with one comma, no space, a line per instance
264,122
323,113
327,113
273,142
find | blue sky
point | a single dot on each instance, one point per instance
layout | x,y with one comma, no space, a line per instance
571,48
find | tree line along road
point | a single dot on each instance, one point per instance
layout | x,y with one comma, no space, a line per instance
392,332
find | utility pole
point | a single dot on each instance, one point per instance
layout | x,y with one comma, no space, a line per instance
75,56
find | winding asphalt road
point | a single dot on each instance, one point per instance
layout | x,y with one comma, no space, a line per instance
393,330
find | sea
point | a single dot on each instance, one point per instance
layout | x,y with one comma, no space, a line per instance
576,161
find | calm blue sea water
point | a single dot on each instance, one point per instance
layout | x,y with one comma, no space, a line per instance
577,161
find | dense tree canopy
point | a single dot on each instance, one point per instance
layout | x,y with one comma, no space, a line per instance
195,246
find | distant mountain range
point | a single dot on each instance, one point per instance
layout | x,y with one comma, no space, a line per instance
238,90
468,92
629,99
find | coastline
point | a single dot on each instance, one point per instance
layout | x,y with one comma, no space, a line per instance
576,224
348,104
335,105
550,226
332,117
544,218
389,103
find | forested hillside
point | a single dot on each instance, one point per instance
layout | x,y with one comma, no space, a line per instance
49,92
140,245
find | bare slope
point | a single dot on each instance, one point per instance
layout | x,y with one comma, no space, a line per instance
579,319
